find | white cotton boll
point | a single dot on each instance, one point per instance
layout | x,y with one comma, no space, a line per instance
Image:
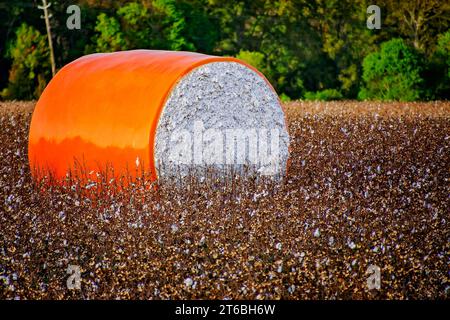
317,233
351,245
331,241
174,228
188,282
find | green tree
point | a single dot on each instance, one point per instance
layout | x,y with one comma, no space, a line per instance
300,45
324,95
275,29
345,39
417,21
437,72
393,73
156,24
255,59
30,68
186,25
109,36
175,25
443,50
136,25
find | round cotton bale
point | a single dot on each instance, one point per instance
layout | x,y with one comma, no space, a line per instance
168,113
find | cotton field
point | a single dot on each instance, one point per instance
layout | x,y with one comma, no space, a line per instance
367,185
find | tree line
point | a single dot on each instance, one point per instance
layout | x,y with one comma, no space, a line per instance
317,50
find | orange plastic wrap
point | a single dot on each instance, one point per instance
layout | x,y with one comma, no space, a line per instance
103,109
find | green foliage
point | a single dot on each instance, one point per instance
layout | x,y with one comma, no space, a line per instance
393,73
418,22
346,40
136,25
109,37
284,97
437,71
324,95
253,58
163,24
443,50
303,47
30,64
175,25
186,26
133,13
279,31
